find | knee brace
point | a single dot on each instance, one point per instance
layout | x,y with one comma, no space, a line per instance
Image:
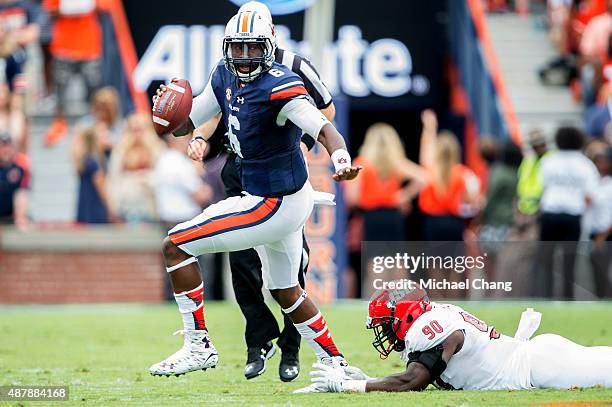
296,304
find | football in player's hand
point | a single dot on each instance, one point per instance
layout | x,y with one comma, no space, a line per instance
171,106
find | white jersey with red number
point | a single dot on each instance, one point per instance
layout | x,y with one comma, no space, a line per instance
486,361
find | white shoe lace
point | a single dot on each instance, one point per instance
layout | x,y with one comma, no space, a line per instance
195,338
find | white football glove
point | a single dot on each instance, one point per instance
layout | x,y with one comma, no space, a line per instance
311,388
354,373
329,379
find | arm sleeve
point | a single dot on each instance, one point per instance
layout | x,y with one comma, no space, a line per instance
304,115
205,106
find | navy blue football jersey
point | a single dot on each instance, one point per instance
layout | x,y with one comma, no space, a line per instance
269,159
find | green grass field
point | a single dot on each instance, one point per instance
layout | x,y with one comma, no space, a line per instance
103,352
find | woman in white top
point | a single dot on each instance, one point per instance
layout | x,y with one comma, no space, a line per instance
569,179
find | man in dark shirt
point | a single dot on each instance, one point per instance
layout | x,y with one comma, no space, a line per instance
14,184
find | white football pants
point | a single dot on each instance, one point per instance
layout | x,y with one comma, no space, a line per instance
556,362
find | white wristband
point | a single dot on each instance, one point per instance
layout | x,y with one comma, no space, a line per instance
341,159
357,386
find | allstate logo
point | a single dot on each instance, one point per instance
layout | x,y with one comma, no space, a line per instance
281,6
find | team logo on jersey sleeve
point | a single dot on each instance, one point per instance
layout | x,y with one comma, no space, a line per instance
228,93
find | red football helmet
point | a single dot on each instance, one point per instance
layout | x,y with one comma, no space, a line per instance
391,313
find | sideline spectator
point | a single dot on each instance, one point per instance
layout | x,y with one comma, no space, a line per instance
568,20
515,261
451,192
384,191
569,179
90,163
105,112
529,188
597,116
180,193
594,42
489,150
498,214
388,184
20,23
601,223
131,169
450,195
12,119
14,185
76,46
594,52
501,195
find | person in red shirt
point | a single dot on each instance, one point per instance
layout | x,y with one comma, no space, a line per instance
76,47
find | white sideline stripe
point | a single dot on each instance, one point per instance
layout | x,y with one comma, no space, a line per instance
175,87
161,121
286,85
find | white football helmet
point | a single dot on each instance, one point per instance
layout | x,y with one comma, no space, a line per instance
256,6
248,45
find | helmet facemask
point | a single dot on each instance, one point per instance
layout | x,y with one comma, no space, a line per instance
391,313
385,336
255,65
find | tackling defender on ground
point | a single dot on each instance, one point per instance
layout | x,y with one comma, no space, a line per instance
445,346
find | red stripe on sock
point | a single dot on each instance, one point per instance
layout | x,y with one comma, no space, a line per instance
318,325
197,296
326,342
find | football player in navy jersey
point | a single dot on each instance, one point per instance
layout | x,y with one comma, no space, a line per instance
264,107
261,327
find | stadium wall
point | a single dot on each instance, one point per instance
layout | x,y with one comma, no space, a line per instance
92,265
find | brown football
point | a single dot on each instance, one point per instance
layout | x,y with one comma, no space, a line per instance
171,110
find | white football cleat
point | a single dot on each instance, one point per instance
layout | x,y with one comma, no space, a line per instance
197,353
